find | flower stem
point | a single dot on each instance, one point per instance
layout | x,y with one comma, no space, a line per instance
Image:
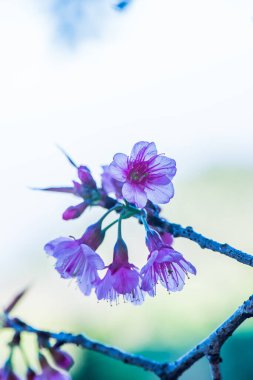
144,221
110,225
117,207
119,228
132,208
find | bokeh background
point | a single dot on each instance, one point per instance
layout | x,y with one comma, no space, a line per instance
95,79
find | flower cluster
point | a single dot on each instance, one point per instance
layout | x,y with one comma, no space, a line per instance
61,362
138,183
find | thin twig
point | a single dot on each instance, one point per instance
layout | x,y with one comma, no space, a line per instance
209,347
81,340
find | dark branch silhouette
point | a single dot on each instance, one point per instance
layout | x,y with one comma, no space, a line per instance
209,347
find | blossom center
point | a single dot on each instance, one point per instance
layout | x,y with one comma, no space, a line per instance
138,174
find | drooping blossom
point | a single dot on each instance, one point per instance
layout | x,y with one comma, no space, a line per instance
121,278
7,373
50,373
77,258
145,174
164,265
85,189
61,358
110,184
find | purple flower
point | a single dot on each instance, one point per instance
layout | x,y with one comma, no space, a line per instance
109,184
121,278
145,174
165,265
85,189
76,259
61,358
49,373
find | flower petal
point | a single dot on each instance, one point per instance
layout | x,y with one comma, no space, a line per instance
104,288
163,165
119,166
134,194
61,246
124,280
109,184
160,193
143,151
188,266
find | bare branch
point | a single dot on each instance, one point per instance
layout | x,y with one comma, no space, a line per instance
178,231
81,340
209,347
212,344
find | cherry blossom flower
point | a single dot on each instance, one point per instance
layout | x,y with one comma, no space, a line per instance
121,278
165,265
77,258
145,174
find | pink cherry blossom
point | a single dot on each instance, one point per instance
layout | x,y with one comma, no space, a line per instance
145,174
121,278
75,259
164,265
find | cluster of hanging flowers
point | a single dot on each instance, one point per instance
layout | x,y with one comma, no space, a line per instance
131,186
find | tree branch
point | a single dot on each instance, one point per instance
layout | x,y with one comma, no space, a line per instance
81,340
215,367
209,347
187,232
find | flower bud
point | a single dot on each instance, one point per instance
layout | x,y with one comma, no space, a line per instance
93,236
86,178
61,358
120,253
74,212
